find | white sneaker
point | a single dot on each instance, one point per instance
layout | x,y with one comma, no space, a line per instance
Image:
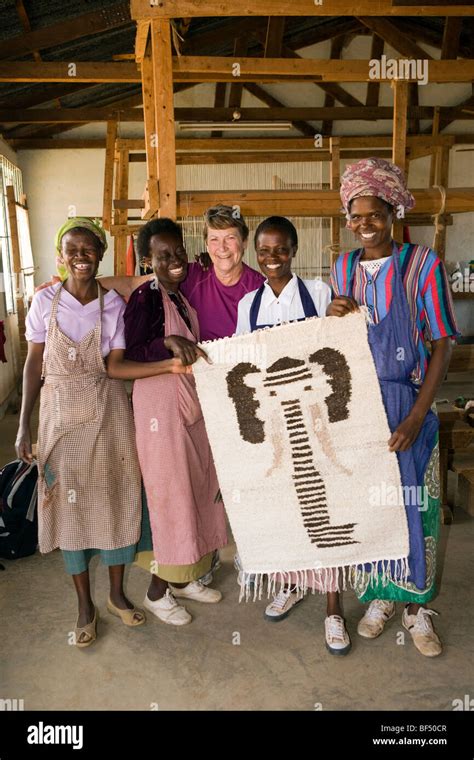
424,636
197,592
282,605
168,610
337,638
376,615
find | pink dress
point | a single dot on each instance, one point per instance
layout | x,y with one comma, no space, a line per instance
176,460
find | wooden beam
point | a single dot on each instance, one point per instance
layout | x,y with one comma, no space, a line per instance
150,137
219,69
389,32
65,31
272,102
36,95
235,94
419,144
204,68
141,39
399,147
434,156
318,203
416,29
259,157
164,115
468,103
47,71
323,203
335,175
109,174
121,215
373,87
219,102
25,22
274,36
442,180
208,41
451,38
65,115
414,125
17,266
337,44
287,113
205,8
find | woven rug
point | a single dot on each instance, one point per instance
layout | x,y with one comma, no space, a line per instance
299,434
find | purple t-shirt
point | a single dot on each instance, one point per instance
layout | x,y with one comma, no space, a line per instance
216,304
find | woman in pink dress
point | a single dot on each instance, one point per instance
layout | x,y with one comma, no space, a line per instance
186,516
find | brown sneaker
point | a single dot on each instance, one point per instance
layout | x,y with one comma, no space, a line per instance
422,632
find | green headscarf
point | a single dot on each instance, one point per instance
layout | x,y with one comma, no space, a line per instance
83,222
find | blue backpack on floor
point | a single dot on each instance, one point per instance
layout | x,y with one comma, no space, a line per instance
18,509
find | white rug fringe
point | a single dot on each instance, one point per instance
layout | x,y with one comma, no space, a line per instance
252,585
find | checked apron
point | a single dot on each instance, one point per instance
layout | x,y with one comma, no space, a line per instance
89,486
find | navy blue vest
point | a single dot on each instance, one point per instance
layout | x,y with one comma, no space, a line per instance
306,301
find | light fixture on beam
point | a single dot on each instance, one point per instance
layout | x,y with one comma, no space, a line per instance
209,126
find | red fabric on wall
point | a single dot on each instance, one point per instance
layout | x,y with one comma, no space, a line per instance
130,263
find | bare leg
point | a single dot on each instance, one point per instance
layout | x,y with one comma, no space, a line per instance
333,604
84,601
413,608
158,587
117,595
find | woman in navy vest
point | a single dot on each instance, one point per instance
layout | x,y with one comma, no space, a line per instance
285,297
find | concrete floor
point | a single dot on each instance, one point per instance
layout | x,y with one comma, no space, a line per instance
279,666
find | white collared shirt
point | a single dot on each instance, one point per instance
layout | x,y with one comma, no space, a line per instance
283,308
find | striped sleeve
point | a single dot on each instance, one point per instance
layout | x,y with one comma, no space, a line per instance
341,273
437,300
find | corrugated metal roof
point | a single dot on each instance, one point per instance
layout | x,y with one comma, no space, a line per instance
102,46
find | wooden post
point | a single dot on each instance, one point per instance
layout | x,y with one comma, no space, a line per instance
400,104
441,179
151,190
109,174
121,215
335,174
162,63
16,257
435,157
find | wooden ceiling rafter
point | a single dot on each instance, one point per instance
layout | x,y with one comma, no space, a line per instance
399,42
71,29
272,102
274,36
200,69
127,111
337,44
373,87
205,8
25,22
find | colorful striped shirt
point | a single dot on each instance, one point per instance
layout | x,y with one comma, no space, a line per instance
426,286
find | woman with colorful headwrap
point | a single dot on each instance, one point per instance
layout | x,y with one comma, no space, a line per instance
406,292
89,486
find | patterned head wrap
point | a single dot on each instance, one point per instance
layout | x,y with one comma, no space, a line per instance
85,223
380,178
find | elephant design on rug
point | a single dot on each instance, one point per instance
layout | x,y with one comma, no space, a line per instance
286,381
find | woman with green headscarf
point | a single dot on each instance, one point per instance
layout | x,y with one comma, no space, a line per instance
89,487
